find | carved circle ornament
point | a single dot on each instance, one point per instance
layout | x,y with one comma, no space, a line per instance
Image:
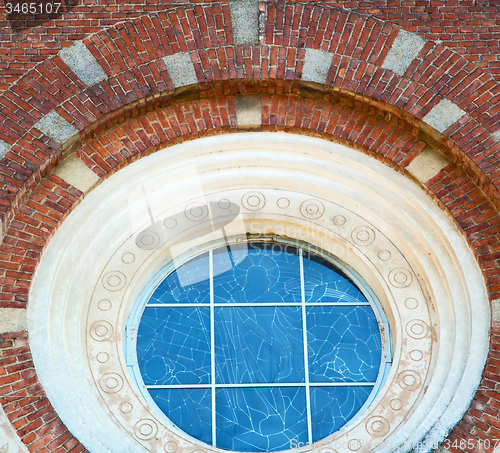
145,429
363,235
337,219
253,201
312,209
396,404
114,281
378,426
101,330
171,447
148,240
196,211
111,383
283,203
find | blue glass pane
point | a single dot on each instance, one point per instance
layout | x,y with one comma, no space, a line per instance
190,283
324,282
189,409
259,344
260,419
173,345
333,407
343,344
268,273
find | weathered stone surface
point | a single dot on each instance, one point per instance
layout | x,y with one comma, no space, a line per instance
4,148
443,115
248,110
405,48
317,64
56,127
180,69
12,320
245,21
427,164
76,173
79,59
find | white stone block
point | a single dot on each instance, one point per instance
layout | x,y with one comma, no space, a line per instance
245,21
317,64
495,310
443,115
79,59
427,164
13,320
180,69
404,49
248,110
4,148
75,172
56,127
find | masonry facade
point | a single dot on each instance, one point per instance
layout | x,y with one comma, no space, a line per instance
97,87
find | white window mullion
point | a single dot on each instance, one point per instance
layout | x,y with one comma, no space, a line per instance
261,385
304,336
212,341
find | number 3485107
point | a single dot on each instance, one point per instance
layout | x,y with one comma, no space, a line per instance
32,8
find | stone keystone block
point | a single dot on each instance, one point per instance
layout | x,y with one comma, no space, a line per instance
56,127
428,163
495,310
75,172
180,69
248,110
4,148
79,59
13,320
404,49
496,135
317,64
245,21
443,115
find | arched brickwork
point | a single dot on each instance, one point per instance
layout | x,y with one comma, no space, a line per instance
131,56
138,108
469,27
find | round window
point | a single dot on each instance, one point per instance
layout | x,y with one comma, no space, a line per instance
260,347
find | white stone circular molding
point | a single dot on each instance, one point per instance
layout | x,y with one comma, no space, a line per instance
145,429
185,199
363,235
196,211
378,426
111,382
101,330
312,209
283,203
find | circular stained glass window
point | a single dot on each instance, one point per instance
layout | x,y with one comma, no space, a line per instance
260,347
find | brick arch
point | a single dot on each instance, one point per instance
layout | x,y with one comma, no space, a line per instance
108,149
130,58
137,108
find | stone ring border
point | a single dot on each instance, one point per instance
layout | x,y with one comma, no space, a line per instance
63,282
363,431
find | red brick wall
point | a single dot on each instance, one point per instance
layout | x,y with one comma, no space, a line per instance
470,27
136,111
25,402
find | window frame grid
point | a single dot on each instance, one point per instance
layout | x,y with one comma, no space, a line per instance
132,329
